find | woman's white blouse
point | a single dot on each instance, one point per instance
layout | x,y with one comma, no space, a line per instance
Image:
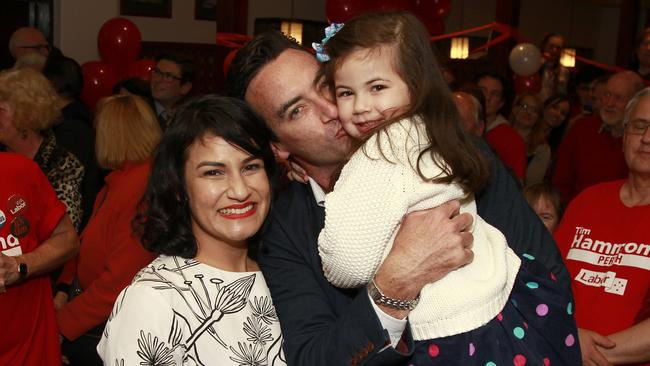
181,312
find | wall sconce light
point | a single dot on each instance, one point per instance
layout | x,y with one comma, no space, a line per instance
568,57
292,29
459,48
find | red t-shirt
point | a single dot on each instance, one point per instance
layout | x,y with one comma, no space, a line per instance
510,147
29,212
606,246
588,156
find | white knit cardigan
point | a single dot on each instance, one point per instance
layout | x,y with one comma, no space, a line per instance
377,187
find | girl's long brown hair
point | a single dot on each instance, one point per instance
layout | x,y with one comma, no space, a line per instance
430,96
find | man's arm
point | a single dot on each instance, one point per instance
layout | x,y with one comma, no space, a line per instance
632,345
52,253
323,325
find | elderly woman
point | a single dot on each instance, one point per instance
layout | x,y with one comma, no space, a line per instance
203,301
604,239
110,254
526,119
28,109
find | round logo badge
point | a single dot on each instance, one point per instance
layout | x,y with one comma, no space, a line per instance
3,219
19,227
16,204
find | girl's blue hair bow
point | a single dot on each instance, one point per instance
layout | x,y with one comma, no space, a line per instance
330,31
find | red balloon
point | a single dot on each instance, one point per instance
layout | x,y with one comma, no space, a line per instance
140,69
428,9
119,42
340,11
388,5
99,80
228,60
531,84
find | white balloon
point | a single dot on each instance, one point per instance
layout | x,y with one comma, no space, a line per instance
525,59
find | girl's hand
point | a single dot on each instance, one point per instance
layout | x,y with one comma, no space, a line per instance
296,173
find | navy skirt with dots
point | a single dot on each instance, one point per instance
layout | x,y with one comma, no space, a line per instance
536,327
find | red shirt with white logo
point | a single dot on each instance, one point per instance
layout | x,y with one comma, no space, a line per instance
606,247
29,212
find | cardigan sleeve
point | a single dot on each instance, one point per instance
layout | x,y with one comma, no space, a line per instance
377,187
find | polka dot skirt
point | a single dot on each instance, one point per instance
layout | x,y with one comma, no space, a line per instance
536,327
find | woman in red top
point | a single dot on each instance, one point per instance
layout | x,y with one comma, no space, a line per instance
110,255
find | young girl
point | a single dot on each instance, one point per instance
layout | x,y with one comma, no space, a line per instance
546,201
499,309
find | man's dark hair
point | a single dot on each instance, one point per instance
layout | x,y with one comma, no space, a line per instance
65,75
249,60
186,66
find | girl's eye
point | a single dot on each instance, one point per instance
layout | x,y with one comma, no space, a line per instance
253,167
345,93
377,88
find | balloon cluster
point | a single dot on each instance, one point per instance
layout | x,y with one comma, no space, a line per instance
525,60
430,12
119,42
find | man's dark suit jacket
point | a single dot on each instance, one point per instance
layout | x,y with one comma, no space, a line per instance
325,325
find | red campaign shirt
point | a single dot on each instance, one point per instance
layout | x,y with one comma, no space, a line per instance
510,147
28,333
588,156
606,247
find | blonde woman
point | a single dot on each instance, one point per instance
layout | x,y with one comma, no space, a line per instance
28,109
127,134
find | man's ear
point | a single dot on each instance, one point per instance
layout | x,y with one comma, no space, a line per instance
281,155
186,87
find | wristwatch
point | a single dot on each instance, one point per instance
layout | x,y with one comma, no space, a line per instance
22,270
380,299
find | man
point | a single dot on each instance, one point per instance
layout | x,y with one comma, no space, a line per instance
592,150
605,241
324,325
471,113
171,81
28,40
36,236
506,142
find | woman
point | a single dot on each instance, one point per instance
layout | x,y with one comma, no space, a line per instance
555,77
555,115
28,109
203,300
110,255
526,120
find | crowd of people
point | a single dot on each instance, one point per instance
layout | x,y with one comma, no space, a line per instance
349,208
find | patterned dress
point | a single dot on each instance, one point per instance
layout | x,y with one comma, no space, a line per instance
181,312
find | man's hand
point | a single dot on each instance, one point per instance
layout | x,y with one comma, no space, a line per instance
8,271
428,246
589,343
60,299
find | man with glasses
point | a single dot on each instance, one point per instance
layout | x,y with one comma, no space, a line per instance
592,150
605,241
506,142
171,81
28,40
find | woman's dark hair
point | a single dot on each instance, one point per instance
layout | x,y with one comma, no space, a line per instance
136,86
164,218
430,96
65,74
555,136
